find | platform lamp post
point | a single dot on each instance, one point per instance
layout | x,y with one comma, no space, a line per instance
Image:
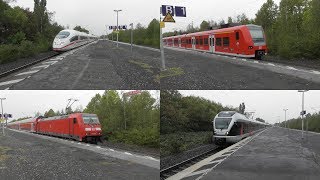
302,111
2,115
285,117
117,11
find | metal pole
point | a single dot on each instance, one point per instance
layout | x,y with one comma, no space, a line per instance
163,61
131,36
124,111
285,118
2,115
117,29
302,121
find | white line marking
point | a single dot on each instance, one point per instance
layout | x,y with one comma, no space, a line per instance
197,172
10,82
42,66
243,59
292,68
127,153
271,64
256,61
87,145
28,72
49,62
315,72
111,149
234,58
98,147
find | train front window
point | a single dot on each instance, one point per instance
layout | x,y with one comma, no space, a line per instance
90,119
222,123
63,34
256,34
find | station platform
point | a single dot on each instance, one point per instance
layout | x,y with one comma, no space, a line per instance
275,153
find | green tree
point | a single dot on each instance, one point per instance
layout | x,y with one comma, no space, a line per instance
79,28
242,108
50,113
204,26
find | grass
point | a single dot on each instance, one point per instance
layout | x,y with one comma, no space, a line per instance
145,66
181,141
3,155
169,73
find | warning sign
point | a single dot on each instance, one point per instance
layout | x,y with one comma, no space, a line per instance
169,18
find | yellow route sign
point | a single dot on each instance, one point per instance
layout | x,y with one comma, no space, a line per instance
162,25
169,18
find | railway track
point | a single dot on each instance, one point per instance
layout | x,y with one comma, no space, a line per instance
170,171
20,67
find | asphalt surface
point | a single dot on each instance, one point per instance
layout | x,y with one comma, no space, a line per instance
24,156
99,65
197,70
277,153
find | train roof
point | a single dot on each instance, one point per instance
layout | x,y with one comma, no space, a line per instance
237,115
61,117
215,31
78,32
24,121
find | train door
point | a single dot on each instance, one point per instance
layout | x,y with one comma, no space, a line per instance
72,123
237,45
193,43
211,43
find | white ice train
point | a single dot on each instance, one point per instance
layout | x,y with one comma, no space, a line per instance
231,127
68,39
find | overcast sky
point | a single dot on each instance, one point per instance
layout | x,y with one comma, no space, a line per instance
27,103
95,14
267,104
199,10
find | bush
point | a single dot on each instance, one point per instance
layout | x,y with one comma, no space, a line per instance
139,136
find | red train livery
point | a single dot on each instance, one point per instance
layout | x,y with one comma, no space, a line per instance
243,41
78,126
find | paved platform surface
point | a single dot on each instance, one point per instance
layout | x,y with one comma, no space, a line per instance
99,65
24,156
199,70
276,153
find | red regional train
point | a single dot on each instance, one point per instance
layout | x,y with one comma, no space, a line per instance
77,126
243,41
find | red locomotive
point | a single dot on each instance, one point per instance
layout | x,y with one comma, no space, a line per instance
78,126
243,41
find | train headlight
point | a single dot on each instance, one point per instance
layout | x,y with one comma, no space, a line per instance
250,47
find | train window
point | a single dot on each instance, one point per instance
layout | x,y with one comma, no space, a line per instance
74,38
226,41
201,42
74,120
218,42
237,36
63,34
205,41
197,41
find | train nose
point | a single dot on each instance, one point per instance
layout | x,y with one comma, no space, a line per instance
57,43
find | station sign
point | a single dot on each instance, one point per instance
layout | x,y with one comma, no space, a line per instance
6,116
178,11
303,113
122,27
